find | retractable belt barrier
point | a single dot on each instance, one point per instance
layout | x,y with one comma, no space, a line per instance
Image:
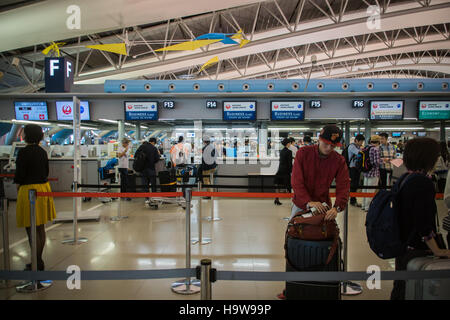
194,193
320,276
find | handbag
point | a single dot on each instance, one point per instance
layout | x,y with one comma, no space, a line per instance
313,228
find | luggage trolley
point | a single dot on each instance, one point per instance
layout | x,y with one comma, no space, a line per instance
169,180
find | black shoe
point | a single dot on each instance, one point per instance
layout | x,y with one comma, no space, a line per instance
277,202
207,198
128,199
40,267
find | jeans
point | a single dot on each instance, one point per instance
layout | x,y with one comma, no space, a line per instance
355,175
369,181
149,177
123,179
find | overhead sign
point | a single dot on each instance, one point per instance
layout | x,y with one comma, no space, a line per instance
135,110
358,104
168,104
287,110
386,110
211,104
434,110
58,74
315,104
243,110
64,110
35,111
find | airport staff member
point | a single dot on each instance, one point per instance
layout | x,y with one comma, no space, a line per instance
123,153
315,168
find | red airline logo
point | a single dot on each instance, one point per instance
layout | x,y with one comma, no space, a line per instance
375,106
228,107
26,117
130,107
66,109
276,106
424,106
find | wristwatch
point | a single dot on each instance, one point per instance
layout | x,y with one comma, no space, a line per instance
338,209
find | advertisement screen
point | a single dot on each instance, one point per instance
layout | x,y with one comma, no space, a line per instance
135,110
34,110
235,111
386,110
287,110
434,110
64,110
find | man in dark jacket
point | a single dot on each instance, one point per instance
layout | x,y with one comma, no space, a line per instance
209,164
152,157
315,168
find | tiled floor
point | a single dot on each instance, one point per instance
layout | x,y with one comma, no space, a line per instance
249,238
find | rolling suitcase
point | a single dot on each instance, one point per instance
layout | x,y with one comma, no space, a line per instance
305,255
428,289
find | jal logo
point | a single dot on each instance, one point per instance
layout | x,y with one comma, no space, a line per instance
130,107
66,109
276,106
41,117
228,106
375,106
26,117
424,106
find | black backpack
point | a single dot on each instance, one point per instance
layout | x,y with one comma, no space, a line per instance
140,160
363,162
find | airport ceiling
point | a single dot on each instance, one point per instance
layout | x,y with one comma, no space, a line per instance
288,39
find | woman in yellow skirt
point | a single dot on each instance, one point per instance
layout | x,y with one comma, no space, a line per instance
31,173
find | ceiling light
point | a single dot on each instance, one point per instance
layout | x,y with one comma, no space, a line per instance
400,129
32,122
109,121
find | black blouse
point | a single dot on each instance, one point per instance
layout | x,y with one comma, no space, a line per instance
417,210
31,165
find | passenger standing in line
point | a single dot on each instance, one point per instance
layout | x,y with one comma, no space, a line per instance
283,175
446,222
32,173
387,153
209,164
372,177
307,141
315,168
417,208
441,168
123,153
180,153
149,173
355,173
292,147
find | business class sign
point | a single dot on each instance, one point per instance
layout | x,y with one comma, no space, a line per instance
287,110
141,111
239,110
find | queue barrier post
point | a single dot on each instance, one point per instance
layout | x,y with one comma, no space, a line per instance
187,286
119,217
212,218
205,279
76,207
348,288
200,238
33,285
6,257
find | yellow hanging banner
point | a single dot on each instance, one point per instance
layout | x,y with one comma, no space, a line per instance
119,48
210,62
